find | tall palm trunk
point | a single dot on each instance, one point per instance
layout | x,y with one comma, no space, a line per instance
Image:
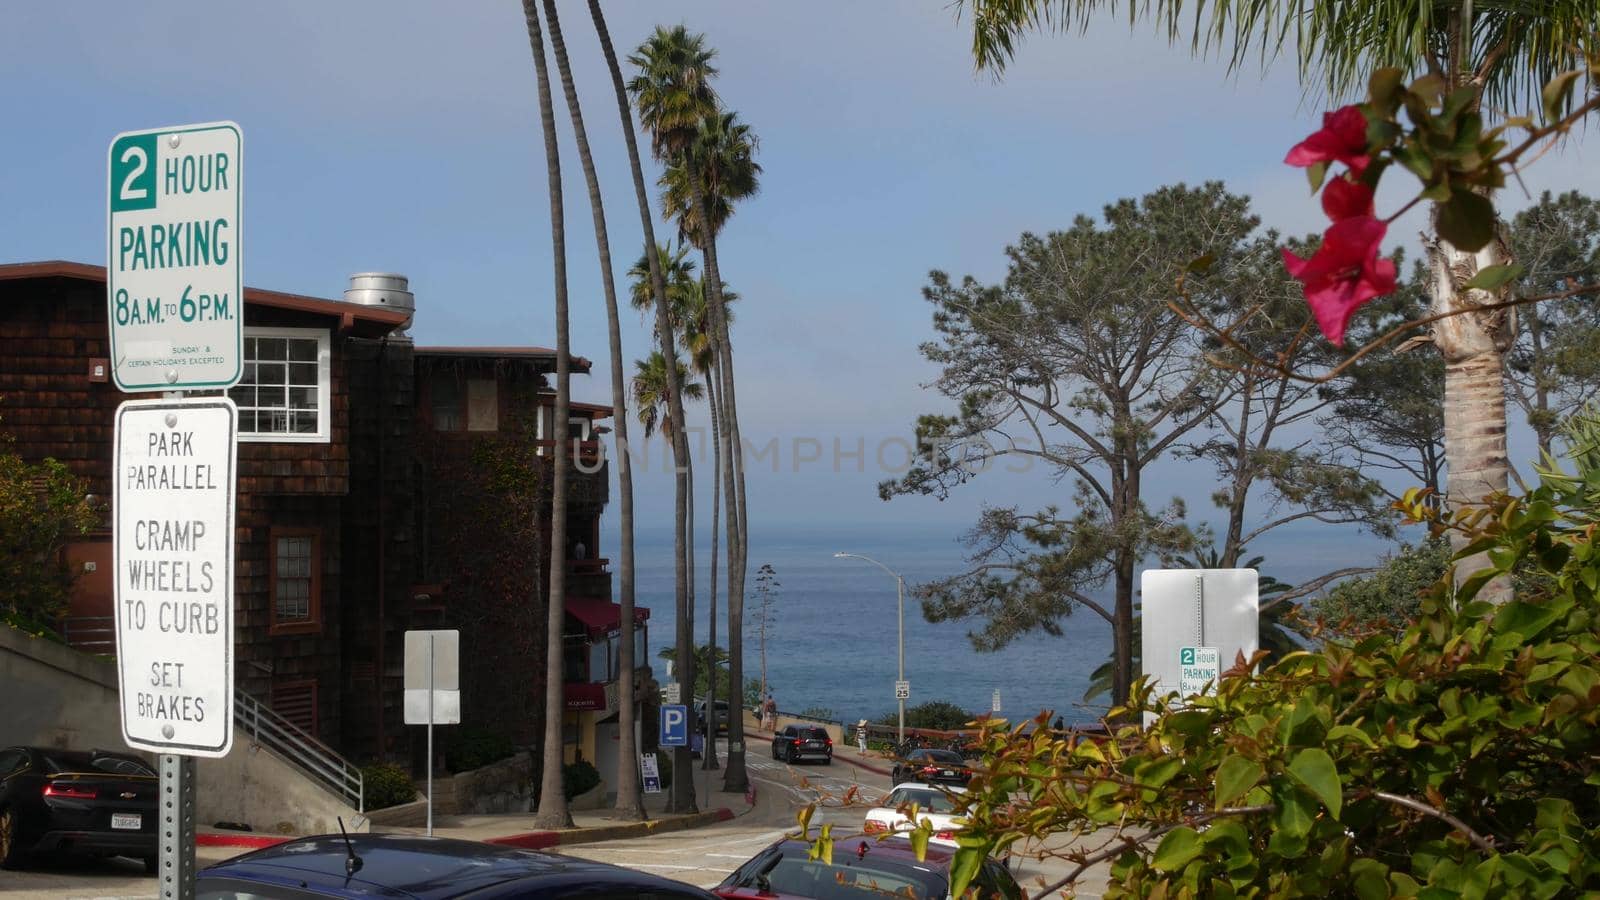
682,797
1474,348
710,754
552,801
630,798
735,779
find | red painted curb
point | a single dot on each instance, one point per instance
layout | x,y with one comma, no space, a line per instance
531,840
724,814
253,841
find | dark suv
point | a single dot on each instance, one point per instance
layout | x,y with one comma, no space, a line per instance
794,743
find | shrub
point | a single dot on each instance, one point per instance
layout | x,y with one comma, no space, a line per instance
821,713
935,714
472,748
1459,759
387,786
579,778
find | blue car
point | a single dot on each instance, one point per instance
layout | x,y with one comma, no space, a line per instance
422,868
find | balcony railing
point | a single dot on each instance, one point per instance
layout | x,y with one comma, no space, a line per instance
586,453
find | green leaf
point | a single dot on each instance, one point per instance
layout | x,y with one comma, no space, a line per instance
919,841
1459,100
1315,173
1370,879
963,867
1556,94
1235,776
1291,818
804,818
1466,220
1526,619
1416,160
1314,768
1342,732
1177,848
1495,277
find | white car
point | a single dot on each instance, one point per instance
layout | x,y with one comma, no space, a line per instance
932,803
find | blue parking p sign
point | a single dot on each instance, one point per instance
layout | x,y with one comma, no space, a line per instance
675,726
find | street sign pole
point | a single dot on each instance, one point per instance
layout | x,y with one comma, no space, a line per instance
177,825
430,735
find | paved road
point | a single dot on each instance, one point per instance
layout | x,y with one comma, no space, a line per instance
701,857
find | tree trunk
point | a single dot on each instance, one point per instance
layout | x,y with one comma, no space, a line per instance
629,796
682,796
1474,346
735,779
709,757
552,801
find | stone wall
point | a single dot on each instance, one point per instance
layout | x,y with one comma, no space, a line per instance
504,786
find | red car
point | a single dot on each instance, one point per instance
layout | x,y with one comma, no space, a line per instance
860,868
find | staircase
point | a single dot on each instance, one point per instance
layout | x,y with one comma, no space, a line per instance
316,759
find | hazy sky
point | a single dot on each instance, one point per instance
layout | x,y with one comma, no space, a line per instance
403,136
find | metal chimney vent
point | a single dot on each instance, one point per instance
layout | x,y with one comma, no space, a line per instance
383,289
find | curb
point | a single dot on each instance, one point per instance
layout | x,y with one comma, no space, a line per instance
541,840
251,841
531,840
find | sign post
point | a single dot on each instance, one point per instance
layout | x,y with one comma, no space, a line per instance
994,704
172,547
175,313
433,687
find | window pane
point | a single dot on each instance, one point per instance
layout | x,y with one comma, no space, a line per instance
303,374
272,397
248,376
281,387
304,421
272,373
303,349
247,420
271,348
303,397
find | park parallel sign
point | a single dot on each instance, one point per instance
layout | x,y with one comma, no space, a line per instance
173,497
174,288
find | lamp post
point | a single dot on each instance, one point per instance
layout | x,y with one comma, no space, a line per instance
900,585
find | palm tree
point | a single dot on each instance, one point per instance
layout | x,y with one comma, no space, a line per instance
651,393
630,796
682,796
1507,49
553,811
678,271
725,150
677,105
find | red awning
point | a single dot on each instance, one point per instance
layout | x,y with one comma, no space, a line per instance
583,696
601,617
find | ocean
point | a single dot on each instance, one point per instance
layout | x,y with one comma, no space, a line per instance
832,644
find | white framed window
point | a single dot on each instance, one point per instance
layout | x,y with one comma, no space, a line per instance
284,392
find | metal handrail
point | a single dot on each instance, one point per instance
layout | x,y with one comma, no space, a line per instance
283,737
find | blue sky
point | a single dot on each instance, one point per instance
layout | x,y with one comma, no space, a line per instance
403,136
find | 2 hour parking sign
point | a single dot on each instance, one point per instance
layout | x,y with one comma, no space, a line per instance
174,289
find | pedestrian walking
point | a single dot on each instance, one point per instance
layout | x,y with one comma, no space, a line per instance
769,714
861,735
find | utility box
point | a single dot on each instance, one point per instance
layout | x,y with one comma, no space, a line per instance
1194,625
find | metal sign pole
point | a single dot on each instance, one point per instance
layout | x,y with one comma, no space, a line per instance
177,827
430,736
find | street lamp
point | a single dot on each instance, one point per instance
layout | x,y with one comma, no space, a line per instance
900,584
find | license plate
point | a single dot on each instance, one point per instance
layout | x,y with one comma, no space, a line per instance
127,821
812,744
948,772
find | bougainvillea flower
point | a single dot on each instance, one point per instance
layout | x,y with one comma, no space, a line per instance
1343,138
1346,198
1345,272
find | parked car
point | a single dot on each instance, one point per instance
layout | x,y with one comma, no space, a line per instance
866,868
720,714
794,743
399,865
69,801
932,803
930,765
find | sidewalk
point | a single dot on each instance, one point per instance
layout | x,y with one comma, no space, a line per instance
513,829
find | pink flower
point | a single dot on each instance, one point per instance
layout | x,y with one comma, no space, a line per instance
1344,273
1347,198
1343,138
